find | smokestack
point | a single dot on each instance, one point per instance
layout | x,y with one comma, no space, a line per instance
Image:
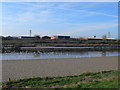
108,34
30,33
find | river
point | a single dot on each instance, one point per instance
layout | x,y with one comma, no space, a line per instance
52,55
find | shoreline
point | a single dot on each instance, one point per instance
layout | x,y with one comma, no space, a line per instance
58,58
58,49
18,69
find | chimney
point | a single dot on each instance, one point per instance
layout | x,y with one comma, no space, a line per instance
30,33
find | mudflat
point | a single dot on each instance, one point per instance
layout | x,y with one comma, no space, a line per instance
18,69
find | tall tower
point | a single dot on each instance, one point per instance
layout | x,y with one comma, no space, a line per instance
30,33
108,34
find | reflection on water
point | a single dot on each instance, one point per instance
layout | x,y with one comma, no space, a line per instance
103,53
38,55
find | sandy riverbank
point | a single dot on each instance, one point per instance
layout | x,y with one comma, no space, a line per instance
15,69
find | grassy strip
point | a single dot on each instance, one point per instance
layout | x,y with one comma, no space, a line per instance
104,79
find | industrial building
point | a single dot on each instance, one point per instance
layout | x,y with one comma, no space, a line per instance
46,37
60,37
26,37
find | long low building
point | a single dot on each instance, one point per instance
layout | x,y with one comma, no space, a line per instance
101,39
26,37
46,37
60,37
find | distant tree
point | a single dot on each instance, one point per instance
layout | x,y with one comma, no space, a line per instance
37,37
104,36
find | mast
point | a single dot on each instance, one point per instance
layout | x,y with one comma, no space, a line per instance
30,33
108,34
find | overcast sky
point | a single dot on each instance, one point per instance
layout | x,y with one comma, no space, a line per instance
60,18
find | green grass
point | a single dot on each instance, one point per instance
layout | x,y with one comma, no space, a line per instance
104,79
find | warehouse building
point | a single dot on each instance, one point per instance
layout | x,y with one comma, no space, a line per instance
46,37
60,37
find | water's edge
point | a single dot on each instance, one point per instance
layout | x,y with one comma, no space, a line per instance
52,55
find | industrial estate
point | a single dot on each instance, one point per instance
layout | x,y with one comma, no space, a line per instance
56,43
59,37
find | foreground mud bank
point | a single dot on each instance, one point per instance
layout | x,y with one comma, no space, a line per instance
16,69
